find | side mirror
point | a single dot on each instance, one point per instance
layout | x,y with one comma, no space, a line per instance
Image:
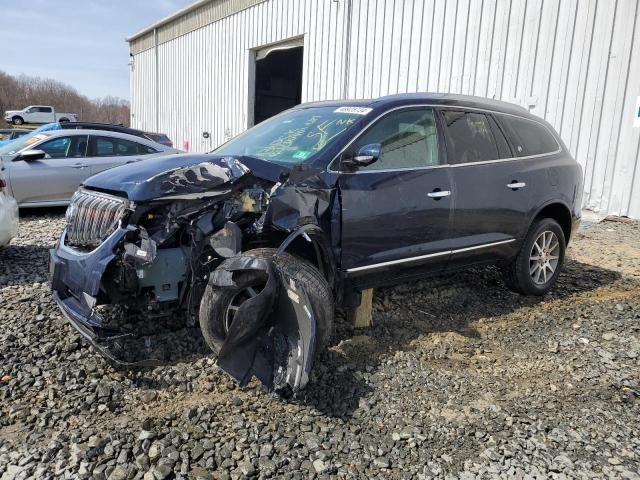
366,155
31,155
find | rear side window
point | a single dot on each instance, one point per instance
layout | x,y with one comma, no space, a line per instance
528,137
409,139
470,137
119,147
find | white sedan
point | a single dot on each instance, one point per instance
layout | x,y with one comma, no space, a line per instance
45,168
8,212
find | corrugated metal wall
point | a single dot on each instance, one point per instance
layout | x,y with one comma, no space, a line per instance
204,76
574,62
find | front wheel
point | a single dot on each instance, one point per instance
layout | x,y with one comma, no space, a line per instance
17,120
218,306
63,120
537,266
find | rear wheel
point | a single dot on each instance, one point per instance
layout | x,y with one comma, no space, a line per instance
537,266
219,305
17,120
63,120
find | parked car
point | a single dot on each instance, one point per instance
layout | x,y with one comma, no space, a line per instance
8,212
36,114
8,134
160,138
258,238
46,168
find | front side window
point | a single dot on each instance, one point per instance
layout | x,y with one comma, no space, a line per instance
409,139
527,136
65,147
296,135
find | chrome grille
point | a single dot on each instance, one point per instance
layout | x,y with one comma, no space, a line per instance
93,216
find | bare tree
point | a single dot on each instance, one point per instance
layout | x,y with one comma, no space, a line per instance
19,92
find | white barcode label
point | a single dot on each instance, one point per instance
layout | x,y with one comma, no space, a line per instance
353,110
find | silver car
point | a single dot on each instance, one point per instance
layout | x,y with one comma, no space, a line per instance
46,168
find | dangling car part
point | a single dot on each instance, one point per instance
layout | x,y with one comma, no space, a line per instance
266,314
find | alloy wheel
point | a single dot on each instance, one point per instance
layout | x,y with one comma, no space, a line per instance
236,301
544,257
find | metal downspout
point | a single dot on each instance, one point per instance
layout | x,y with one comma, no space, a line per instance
347,53
157,79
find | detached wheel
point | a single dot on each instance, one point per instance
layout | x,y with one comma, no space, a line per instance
537,266
17,120
219,305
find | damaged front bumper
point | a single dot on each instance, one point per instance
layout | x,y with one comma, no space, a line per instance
75,279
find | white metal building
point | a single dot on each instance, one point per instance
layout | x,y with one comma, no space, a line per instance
211,70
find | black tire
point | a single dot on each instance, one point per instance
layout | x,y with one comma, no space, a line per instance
518,275
63,120
216,300
17,120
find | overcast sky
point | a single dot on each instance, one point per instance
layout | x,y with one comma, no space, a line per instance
78,42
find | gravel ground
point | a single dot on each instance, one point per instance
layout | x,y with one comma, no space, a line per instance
459,378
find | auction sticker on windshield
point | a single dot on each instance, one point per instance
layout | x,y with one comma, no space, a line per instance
353,110
302,154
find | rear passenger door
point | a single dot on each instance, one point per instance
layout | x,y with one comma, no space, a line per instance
45,115
489,198
108,152
541,157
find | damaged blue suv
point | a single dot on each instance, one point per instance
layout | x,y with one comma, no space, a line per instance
262,240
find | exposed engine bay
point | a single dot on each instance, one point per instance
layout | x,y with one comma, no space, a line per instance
151,250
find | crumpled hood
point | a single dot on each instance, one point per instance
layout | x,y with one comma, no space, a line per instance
182,175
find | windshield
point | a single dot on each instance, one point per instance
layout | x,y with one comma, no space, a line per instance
294,136
18,144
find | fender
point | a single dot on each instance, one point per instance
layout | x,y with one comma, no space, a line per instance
313,234
555,201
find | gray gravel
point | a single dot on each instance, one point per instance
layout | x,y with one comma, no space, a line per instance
459,378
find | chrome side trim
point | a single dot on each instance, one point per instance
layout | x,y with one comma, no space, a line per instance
431,255
453,165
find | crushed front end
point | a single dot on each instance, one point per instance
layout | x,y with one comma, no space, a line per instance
133,261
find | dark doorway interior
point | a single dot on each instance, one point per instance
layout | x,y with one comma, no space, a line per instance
278,82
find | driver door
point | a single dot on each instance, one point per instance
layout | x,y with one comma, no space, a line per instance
396,211
55,178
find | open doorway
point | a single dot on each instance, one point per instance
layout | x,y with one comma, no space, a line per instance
278,80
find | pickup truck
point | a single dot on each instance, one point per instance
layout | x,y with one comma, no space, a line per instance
38,114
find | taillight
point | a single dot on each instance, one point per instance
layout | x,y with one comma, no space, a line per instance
3,184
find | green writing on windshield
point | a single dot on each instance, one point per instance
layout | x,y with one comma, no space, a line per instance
293,136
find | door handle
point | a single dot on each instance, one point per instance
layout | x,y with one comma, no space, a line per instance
79,165
437,194
516,185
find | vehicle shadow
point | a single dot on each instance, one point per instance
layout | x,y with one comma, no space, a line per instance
407,312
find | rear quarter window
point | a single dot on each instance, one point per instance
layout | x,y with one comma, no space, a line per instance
528,137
